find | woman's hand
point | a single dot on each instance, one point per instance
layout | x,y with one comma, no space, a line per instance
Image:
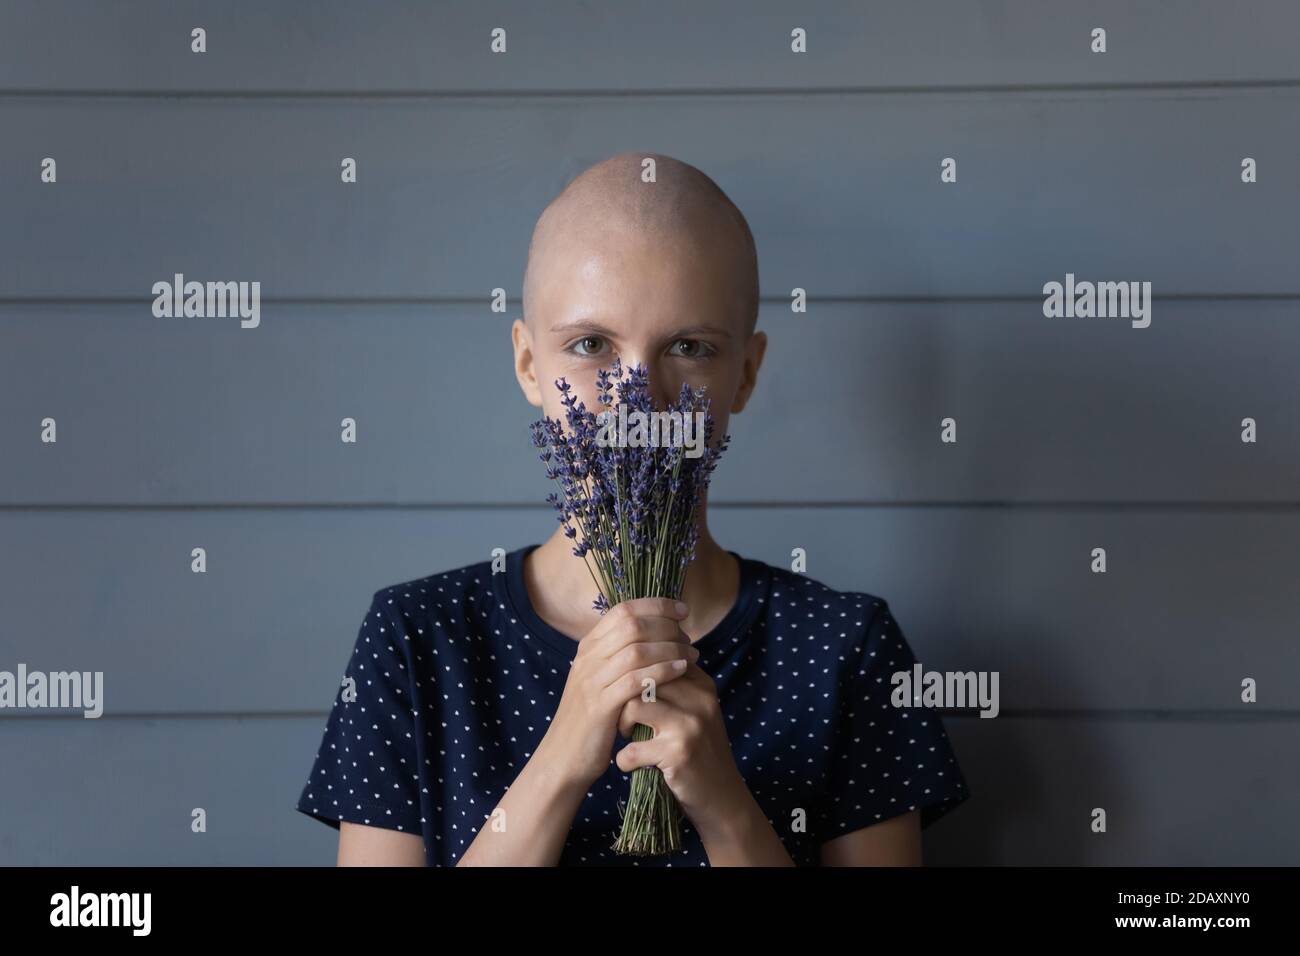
691,748
634,641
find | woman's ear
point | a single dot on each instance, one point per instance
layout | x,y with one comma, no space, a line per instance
754,349
524,370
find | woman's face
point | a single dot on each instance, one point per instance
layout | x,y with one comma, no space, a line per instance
666,303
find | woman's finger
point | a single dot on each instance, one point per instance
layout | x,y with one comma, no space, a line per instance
641,655
634,683
632,620
643,753
657,715
694,692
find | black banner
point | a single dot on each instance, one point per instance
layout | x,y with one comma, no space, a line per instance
375,905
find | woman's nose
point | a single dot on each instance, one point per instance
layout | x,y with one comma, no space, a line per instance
663,390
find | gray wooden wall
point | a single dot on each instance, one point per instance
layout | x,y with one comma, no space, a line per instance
1119,690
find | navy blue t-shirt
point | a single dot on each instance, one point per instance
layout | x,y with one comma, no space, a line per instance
457,678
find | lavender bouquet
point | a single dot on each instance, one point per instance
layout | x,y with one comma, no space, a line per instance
628,499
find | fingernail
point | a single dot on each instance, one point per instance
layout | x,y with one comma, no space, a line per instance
682,609
679,665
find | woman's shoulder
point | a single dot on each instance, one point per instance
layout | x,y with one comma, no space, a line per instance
794,591
445,595
853,623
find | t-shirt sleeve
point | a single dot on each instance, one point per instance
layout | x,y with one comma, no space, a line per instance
889,760
367,769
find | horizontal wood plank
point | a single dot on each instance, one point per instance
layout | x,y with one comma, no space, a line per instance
1190,605
333,45
846,199
848,409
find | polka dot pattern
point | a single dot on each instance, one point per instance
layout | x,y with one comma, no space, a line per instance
456,679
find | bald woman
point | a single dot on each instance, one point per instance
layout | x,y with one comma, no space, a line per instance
491,703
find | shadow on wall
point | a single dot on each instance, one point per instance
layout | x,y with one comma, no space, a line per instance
1027,804
1034,783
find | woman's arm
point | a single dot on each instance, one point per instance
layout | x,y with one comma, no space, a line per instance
895,842
745,839
636,641
531,822
376,846
691,748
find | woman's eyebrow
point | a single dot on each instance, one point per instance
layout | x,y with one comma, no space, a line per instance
595,328
583,325
700,330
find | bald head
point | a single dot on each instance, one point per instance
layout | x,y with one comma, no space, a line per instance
682,206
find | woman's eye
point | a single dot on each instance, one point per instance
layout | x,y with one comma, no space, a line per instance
690,348
589,346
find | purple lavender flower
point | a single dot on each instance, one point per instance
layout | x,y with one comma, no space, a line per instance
631,511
